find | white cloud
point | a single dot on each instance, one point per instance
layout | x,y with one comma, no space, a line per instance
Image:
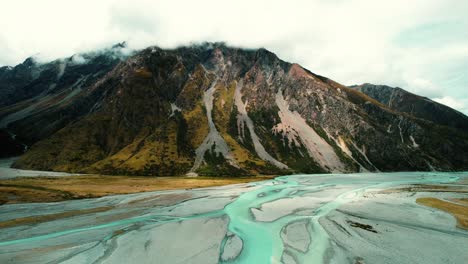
459,104
425,87
351,41
78,59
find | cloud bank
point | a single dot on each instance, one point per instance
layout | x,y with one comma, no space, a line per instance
419,45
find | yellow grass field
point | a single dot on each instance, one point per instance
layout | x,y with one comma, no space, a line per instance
53,189
459,211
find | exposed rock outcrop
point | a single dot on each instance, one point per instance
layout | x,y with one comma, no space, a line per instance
215,110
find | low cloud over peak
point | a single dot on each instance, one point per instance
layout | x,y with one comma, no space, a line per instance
418,45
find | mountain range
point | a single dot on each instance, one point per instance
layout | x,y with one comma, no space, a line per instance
211,109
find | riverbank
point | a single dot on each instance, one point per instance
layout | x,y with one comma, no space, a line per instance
367,217
55,189
458,208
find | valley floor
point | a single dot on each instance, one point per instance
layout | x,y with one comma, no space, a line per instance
406,217
61,188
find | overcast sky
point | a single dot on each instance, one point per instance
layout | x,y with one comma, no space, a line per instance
419,45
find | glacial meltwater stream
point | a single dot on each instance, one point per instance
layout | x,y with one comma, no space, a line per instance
332,218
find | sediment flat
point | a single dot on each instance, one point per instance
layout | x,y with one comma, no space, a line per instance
339,218
458,210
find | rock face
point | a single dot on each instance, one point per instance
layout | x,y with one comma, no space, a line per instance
46,91
403,101
216,110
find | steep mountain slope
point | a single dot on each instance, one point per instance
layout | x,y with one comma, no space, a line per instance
10,146
215,110
403,101
44,90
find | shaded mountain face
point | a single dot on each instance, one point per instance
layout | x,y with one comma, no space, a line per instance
216,110
44,90
10,146
403,101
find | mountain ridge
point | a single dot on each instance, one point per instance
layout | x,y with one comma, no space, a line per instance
403,101
146,114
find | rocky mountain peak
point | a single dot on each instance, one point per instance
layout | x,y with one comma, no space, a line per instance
211,109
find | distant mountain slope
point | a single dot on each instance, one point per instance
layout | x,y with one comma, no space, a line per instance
216,110
34,89
403,101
